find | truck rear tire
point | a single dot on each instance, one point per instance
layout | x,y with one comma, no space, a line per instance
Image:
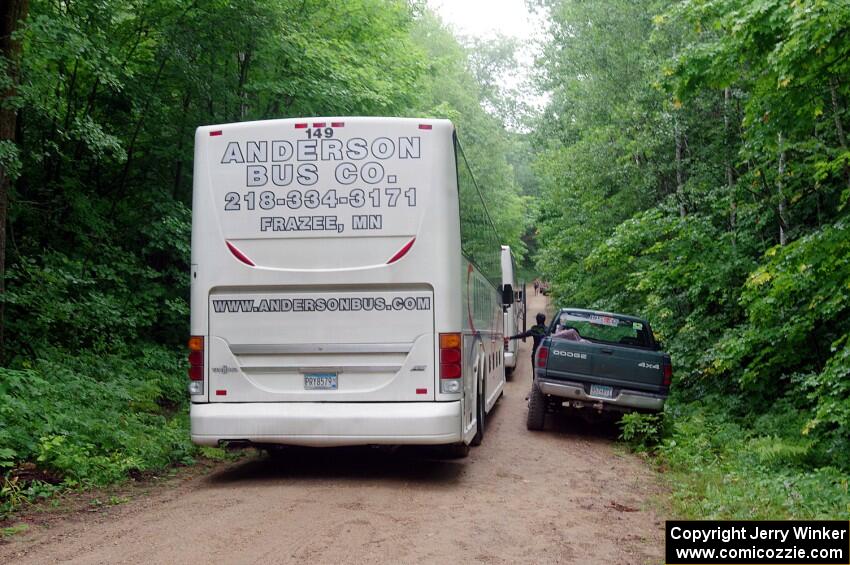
536,408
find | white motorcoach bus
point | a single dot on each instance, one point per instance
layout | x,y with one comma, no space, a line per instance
344,286
514,322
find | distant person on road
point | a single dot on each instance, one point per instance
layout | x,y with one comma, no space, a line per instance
536,332
536,286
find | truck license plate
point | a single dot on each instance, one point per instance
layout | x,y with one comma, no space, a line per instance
320,381
602,391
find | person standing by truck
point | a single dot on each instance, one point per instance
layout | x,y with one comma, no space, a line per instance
536,332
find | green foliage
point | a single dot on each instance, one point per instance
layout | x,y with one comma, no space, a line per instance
796,304
219,454
694,170
12,530
93,418
641,431
722,469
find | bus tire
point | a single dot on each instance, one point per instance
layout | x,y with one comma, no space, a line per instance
278,454
455,451
479,417
536,408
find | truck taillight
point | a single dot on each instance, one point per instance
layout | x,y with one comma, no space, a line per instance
542,356
196,364
667,368
450,362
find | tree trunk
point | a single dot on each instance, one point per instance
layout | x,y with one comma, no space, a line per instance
178,167
783,204
680,183
730,183
244,63
12,12
839,127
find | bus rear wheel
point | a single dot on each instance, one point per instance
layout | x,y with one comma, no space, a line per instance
454,451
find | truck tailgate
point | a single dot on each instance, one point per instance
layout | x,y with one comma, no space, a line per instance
624,367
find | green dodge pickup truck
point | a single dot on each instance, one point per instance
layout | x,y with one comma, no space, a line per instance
598,360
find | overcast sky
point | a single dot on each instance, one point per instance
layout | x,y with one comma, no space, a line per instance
486,18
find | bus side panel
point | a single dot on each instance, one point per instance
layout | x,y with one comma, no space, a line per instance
483,331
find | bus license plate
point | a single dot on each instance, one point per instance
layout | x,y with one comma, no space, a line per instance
602,391
320,381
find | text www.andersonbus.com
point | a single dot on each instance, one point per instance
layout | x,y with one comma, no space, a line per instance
355,304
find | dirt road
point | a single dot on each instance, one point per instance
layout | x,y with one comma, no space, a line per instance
564,495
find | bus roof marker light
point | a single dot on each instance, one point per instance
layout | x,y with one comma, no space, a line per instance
239,255
300,126
319,124
425,126
215,133
337,124
401,252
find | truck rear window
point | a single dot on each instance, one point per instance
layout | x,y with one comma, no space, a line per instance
606,328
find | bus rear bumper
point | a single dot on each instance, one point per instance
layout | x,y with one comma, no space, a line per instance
327,424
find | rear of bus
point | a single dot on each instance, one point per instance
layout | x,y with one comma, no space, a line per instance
325,265
512,309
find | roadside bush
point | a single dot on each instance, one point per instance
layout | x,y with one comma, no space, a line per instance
641,431
93,418
722,469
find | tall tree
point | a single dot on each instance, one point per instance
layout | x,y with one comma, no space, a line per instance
12,13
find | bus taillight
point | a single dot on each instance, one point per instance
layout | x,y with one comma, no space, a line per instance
450,362
196,364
